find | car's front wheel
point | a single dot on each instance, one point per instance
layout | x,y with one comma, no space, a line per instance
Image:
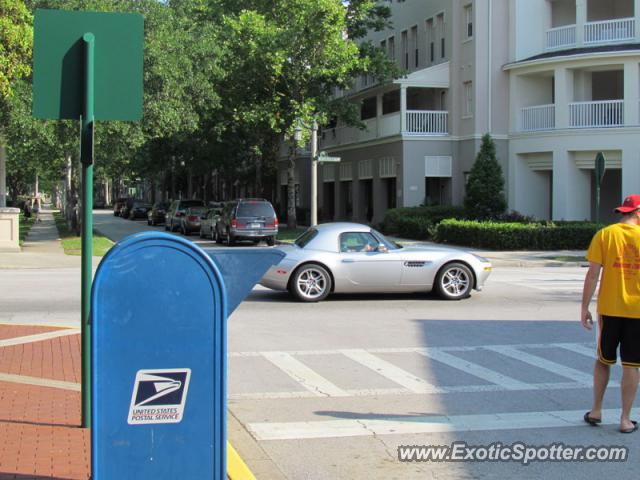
311,283
454,281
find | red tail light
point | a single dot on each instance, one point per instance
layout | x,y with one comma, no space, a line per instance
194,218
179,214
234,223
276,222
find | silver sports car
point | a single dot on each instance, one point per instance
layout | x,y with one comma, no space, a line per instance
354,258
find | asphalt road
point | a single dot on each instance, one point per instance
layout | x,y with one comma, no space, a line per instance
330,390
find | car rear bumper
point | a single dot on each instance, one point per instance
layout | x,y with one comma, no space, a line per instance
258,233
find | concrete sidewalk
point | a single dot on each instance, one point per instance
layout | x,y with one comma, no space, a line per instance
42,248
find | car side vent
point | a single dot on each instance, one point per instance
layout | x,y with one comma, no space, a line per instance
415,264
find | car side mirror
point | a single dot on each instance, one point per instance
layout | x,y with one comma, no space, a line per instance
382,248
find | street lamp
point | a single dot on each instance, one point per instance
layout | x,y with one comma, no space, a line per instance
297,135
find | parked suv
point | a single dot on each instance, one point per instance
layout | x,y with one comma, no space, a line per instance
248,219
176,212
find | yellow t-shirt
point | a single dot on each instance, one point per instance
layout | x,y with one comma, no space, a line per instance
617,249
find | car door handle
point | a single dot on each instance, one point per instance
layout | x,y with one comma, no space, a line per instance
348,260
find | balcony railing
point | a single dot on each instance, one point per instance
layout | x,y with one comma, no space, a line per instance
561,37
617,30
426,122
540,117
607,113
418,123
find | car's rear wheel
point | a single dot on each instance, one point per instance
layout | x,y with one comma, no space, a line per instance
213,234
218,237
311,283
271,241
454,281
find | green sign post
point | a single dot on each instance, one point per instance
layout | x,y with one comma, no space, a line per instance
87,66
600,165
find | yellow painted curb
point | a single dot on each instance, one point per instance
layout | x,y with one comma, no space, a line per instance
236,468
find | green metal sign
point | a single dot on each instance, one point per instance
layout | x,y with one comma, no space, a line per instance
58,64
87,66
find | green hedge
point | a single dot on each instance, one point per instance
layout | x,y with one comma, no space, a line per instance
418,222
517,236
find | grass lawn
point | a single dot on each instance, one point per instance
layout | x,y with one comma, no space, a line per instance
25,226
288,235
72,243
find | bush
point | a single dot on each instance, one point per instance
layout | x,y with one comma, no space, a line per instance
517,236
418,222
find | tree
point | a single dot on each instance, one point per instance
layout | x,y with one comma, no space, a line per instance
291,57
485,197
16,40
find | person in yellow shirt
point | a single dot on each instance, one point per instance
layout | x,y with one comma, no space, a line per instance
615,251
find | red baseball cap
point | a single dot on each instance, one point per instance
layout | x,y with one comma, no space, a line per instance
631,203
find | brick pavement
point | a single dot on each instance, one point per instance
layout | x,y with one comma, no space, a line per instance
39,425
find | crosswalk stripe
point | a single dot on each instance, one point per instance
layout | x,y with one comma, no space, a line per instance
458,363
542,363
577,348
307,377
380,392
391,372
390,425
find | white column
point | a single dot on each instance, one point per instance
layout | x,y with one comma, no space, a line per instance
631,98
581,19
403,109
630,171
571,188
563,83
636,15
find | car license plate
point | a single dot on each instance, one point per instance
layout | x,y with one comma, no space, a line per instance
254,225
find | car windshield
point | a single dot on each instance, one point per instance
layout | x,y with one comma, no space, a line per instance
255,209
197,210
306,237
385,241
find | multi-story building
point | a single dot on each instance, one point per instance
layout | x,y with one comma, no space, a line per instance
553,82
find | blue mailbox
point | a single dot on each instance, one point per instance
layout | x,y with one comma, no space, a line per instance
159,310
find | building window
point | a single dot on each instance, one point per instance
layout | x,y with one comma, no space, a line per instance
405,49
383,46
441,32
392,48
391,102
368,108
468,20
468,99
414,45
430,42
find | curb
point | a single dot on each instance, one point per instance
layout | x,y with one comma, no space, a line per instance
236,468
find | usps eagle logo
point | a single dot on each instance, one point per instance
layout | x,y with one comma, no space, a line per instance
159,396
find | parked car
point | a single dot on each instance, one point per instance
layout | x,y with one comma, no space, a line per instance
118,205
354,258
176,212
139,209
208,226
157,213
190,221
248,219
